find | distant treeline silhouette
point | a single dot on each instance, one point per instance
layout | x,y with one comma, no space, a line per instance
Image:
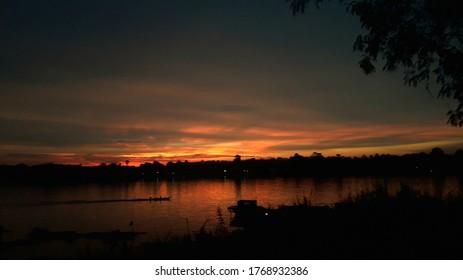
420,164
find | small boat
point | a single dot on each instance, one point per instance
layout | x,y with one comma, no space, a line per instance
161,198
246,212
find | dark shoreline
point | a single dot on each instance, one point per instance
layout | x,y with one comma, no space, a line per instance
435,163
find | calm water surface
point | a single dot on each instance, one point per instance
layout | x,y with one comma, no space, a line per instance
25,207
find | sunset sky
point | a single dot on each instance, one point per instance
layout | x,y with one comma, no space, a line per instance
91,81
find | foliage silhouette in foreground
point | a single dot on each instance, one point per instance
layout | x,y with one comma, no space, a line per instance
424,37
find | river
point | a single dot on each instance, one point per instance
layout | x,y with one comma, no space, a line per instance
192,203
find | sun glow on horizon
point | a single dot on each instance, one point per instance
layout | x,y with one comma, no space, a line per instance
228,152
220,142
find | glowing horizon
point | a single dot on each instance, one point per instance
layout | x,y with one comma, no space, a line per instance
197,144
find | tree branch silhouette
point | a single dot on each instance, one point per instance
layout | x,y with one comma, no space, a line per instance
424,37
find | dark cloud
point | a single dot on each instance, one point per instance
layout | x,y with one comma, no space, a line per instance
45,133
